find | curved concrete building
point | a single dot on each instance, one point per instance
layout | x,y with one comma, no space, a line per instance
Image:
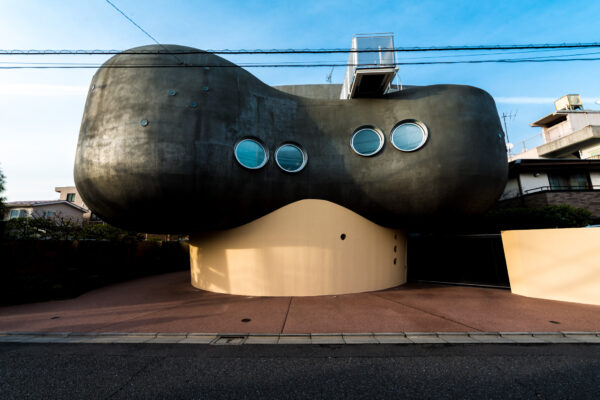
180,140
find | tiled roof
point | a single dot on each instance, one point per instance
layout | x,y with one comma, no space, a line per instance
30,203
36,203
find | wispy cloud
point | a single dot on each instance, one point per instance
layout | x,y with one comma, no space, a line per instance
11,89
537,100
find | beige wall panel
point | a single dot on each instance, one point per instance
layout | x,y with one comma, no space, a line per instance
297,251
555,264
530,181
62,211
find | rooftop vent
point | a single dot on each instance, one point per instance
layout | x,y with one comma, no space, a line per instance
569,102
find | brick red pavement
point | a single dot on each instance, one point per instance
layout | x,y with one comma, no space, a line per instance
168,303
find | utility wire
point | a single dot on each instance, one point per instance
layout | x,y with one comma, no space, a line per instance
508,61
305,51
339,63
141,29
133,22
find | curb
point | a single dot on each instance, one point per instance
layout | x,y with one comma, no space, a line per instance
306,338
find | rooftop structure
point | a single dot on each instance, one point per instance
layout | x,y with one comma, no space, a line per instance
371,66
568,132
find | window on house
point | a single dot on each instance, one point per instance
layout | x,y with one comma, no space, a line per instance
18,214
409,135
49,214
71,197
569,181
367,141
290,158
250,154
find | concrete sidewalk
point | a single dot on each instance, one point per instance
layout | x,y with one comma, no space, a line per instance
169,304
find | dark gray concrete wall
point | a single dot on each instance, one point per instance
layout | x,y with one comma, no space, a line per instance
323,92
179,173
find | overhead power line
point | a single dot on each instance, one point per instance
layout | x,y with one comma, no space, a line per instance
329,65
305,51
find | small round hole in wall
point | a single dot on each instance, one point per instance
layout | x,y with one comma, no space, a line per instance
193,104
172,93
395,249
343,236
394,261
246,320
144,122
554,322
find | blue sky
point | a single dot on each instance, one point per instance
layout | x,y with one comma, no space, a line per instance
40,110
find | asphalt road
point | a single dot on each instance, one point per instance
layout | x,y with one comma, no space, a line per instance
100,371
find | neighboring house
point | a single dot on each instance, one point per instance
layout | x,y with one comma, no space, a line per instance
70,194
568,132
542,182
69,205
46,209
565,169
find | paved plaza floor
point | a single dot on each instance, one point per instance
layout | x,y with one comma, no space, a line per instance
169,304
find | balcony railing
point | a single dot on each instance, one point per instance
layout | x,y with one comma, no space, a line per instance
562,188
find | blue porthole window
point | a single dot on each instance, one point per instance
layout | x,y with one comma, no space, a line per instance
290,157
367,141
250,153
409,135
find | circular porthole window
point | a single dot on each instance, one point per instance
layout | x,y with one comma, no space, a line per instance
250,153
290,158
366,141
409,135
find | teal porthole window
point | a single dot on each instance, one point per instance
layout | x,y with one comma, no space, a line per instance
250,153
367,141
409,135
290,157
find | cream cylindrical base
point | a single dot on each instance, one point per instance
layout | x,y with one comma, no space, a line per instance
307,248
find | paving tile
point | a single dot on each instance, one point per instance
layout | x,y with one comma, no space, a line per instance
118,339
360,339
489,338
47,339
392,338
295,339
167,339
262,339
518,337
166,303
229,340
423,338
198,339
457,338
327,339
555,338
584,337
75,339
15,338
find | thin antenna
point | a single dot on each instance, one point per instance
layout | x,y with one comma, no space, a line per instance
329,75
510,116
142,29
